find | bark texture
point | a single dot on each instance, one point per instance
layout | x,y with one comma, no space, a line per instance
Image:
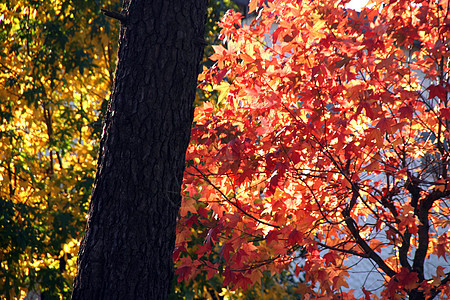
127,249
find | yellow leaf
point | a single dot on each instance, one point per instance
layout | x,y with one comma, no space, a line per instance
223,88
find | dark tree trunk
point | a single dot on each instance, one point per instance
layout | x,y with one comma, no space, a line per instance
127,250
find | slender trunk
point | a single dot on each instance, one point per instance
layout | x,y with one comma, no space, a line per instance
127,249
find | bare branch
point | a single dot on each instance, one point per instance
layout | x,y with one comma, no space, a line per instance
352,226
360,254
115,15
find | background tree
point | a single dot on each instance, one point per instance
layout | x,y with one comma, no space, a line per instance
331,133
56,69
127,250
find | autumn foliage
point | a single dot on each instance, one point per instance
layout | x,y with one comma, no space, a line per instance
329,140
56,67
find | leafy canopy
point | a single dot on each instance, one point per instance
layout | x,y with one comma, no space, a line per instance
331,135
56,68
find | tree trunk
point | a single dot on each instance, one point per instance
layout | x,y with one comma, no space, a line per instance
127,250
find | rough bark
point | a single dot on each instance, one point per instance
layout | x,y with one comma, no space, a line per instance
127,250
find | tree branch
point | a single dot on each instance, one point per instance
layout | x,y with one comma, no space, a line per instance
363,255
363,244
231,202
435,291
115,15
423,228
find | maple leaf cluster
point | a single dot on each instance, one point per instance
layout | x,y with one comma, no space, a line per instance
329,139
